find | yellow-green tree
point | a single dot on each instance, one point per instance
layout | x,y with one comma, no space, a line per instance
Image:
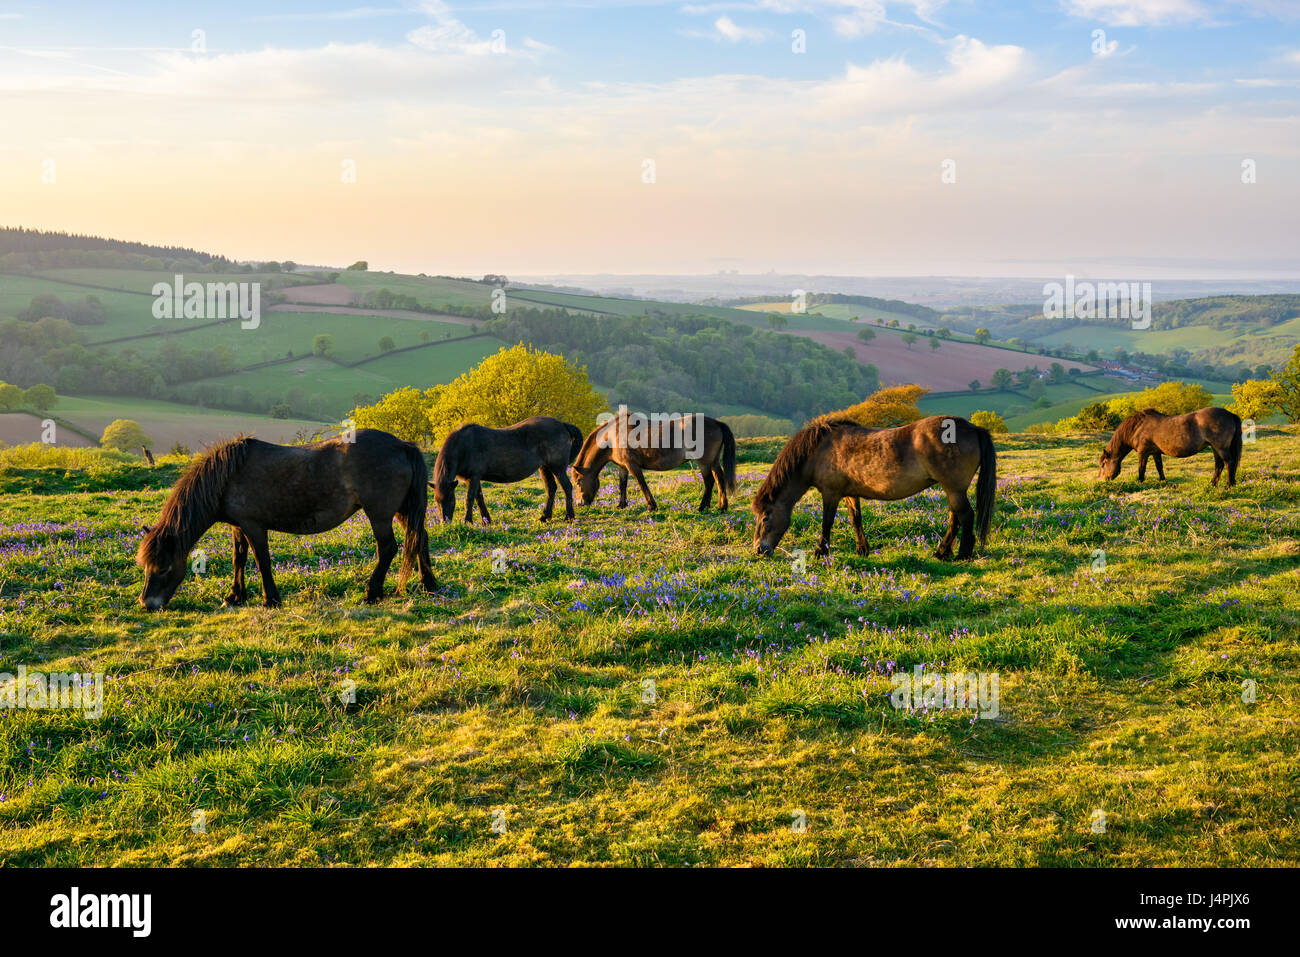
1171,398
1288,387
404,413
514,384
1255,398
988,420
125,435
885,408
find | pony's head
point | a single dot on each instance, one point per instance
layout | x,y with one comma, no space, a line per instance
771,522
165,562
444,494
1110,463
587,479
189,511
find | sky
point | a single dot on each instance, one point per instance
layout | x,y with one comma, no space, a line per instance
1120,139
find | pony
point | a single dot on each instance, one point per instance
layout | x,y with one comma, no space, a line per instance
634,442
478,454
842,459
257,487
1154,434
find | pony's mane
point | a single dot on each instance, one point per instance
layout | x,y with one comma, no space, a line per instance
187,512
590,440
797,451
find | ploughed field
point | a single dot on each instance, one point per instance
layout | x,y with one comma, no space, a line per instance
642,689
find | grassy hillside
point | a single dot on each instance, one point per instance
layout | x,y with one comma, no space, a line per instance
508,719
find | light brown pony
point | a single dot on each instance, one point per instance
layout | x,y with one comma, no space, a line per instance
842,459
1154,434
634,442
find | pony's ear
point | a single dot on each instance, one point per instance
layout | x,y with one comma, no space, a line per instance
579,469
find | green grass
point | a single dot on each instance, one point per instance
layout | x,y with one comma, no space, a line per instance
1004,402
143,280
356,337
520,698
338,384
1236,342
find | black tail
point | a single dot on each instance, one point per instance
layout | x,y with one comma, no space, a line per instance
728,457
414,506
987,486
1234,448
576,445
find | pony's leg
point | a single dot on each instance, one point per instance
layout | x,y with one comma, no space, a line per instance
707,475
562,476
238,590
386,547
829,507
473,490
722,487
1218,467
256,536
944,551
645,489
965,516
427,580
1142,465
622,487
1232,468
855,513
1160,464
482,507
549,479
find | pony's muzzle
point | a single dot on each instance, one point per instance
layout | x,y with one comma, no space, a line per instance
764,549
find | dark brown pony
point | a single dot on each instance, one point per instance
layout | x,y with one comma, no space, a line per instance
634,442
1154,434
257,487
479,454
842,459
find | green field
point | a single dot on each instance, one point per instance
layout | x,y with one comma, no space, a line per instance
337,384
143,280
511,719
429,290
168,422
1236,342
356,337
1082,389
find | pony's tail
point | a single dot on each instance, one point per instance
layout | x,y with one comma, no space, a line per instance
1234,448
575,444
728,457
987,486
414,506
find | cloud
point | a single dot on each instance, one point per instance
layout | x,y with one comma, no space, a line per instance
850,18
355,13
733,32
1136,13
448,35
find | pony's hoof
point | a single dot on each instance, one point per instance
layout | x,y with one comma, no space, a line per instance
273,603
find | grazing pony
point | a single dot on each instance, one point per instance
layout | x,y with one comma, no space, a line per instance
479,454
1154,434
634,442
842,459
257,487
